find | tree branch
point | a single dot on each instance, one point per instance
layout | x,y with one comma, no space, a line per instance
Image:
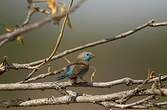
96,43
82,98
54,85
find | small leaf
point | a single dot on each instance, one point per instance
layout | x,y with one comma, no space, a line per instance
52,5
69,23
3,65
152,75
49,68
7,29
63,9
19,39
2,68
93,74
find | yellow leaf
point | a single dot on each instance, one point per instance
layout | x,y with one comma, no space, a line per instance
52,5
93,74
20,40
8,29
49,68
63,8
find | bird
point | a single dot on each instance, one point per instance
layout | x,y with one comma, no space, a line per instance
77,69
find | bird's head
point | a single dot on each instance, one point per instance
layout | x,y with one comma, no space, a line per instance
86,56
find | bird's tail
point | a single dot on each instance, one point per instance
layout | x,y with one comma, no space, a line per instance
61,77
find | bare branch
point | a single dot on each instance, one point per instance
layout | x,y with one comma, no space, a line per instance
41,76
96,43
60,34
76,98
126,80
31,11
52,85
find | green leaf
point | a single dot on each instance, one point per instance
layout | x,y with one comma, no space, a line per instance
69,22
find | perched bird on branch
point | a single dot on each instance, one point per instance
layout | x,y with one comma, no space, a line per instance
78,69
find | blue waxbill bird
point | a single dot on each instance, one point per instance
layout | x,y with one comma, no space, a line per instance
79,68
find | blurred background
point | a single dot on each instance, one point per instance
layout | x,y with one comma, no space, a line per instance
95,20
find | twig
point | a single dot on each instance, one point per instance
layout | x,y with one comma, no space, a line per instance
158,24
41,76
31,11
60,35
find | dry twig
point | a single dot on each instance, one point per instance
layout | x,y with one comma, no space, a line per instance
96,43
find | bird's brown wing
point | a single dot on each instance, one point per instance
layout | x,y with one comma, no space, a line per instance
80,68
